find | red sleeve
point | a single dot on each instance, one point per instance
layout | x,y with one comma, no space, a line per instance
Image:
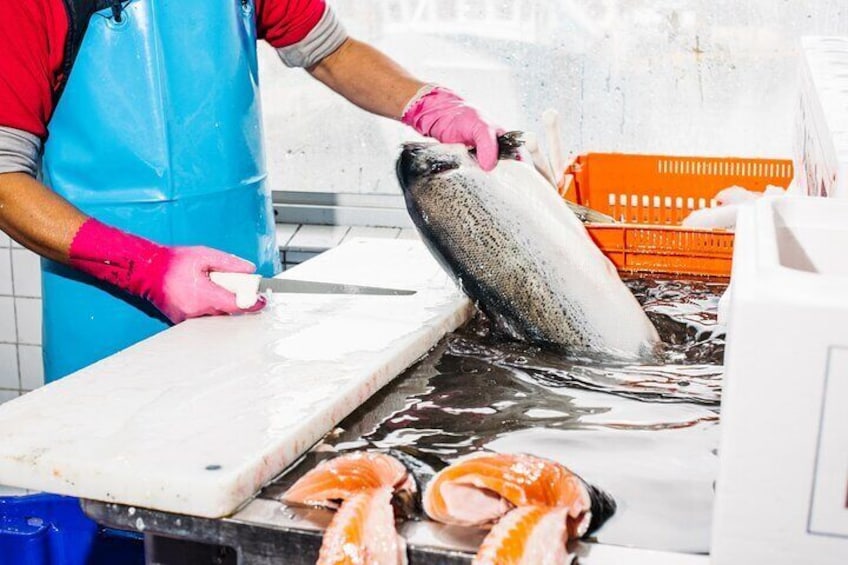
32,44
286,22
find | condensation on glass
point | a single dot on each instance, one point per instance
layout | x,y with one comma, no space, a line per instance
701,77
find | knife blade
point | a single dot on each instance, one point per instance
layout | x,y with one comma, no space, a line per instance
246,286
314,287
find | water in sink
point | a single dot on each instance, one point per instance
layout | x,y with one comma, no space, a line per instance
647,434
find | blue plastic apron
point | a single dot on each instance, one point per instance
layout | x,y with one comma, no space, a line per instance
158,133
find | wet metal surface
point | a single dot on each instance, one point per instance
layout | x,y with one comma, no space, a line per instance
647,434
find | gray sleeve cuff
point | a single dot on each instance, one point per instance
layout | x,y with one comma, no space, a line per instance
19,151
327,36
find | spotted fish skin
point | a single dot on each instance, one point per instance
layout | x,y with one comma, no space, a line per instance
519,251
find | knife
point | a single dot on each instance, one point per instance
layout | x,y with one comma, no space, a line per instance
246,286
314,287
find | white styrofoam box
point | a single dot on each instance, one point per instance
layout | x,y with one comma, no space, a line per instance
26,267
9,366
782,487
28,315
821,136
5,272
32,367
8,324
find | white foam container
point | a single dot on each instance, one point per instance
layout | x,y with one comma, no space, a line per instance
821,136
782,488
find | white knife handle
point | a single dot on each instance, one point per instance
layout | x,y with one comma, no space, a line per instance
244,286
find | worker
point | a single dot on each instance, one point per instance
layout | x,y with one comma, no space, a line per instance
131,154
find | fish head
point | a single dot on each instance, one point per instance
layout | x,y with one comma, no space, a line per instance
419,162
422,160
435,178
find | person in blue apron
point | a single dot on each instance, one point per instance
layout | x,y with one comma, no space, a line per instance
153,172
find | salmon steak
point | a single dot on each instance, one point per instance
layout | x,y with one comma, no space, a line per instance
528,535
363,532
334,481
479,490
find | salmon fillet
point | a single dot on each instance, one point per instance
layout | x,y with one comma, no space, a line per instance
338,479
362,532
529,535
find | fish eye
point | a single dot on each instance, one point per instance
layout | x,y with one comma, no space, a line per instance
442,165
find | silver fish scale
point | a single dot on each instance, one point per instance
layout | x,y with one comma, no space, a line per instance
487,248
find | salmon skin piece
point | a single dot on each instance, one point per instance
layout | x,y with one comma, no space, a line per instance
529,535
362,532
478,490
336,480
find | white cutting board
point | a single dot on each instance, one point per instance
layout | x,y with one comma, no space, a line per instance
196,419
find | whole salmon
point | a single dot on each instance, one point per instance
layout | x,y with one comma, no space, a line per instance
516,247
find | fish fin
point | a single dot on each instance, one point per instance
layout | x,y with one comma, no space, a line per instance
510,144
422,468
585,214
502,326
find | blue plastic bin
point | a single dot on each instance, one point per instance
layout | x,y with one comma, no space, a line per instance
45,529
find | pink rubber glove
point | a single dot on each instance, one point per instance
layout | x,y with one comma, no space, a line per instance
439,113
174,279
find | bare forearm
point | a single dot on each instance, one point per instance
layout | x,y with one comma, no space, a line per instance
368,78
36,217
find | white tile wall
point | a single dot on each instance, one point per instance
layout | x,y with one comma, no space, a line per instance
8,333
31,367
8,395
376,233
12,491
317,238
21,366
9,378
28,313
285,233
5,271
26,269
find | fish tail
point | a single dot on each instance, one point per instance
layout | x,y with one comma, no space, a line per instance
509,144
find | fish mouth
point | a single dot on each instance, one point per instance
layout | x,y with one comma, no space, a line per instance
418,160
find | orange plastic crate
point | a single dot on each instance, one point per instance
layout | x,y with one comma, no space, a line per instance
651,194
